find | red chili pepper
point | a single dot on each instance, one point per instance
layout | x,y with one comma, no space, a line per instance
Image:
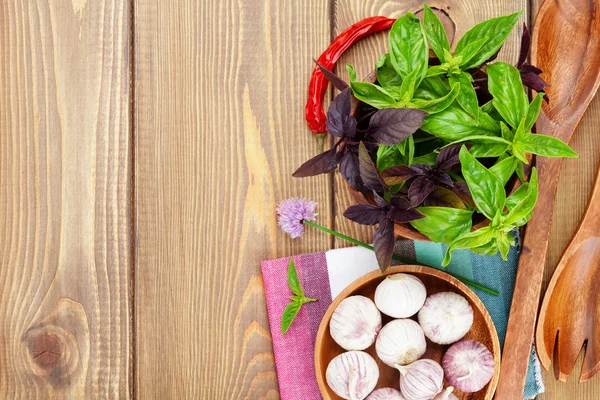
318,83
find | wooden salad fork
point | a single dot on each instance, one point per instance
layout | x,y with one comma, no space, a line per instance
566,46
570,317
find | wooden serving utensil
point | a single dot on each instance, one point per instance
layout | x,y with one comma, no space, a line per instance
570,312
566,46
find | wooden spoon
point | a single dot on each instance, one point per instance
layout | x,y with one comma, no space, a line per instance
566,46
570,312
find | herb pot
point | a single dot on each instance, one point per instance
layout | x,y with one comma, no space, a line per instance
435,281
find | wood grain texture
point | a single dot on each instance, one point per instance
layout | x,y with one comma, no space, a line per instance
65,195
220,93
464,13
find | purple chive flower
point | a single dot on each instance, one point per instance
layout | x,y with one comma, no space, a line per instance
292,212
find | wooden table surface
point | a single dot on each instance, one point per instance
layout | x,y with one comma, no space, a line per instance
143,147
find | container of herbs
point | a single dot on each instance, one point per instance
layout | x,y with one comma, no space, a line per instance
438,148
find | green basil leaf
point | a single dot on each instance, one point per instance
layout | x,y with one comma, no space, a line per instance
436,70
486,189
293,280
495,30
505,169
369,93
491,110
488,249
507,134
431,88
533,112
546,146
429,159
520,170
454,124
443,224
517,196
469,240
467,98
386,74
439,104
436,35
505,85
408,49
289,314
389,156
411,149
488,149
503,244
407,89
470,50
518,152
522,211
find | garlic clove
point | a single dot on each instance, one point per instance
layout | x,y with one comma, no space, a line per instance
468,365
400,295
446,394
352,375
446,317
421,380
355,323
401,342
386,394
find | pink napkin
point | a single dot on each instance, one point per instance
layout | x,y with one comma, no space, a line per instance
323,276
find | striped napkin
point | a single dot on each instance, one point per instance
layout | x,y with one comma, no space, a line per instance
324,275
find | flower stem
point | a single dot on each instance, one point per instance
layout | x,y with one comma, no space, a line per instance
397,258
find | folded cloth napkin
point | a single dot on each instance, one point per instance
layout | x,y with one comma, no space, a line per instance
324,275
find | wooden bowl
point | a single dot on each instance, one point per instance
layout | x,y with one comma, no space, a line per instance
435,281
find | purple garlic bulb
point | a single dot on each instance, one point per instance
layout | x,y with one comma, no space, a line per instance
352,375
400,342
400,295
446,394
386,394
446,317
421,380
468,365
355,323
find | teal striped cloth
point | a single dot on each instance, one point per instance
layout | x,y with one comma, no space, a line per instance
490,271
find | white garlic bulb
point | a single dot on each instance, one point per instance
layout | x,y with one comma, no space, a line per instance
352,375
355,323
446,317
446,394
386,394
400,295
421,380
400,342
468,365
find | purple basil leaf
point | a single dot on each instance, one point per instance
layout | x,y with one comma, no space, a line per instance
533,81
379,200
393,125
335,80
404,215
444,178
400,202
351,172
526,68
448,157
384,242
319,164
368,171
397,174
462,191
525,45
422,169
419,190
433,201
339,121
364,214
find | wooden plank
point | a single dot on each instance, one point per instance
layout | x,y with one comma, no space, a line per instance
219,122
464,14
65,195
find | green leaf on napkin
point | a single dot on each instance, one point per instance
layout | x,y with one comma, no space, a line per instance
292,309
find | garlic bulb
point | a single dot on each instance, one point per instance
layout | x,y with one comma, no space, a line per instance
400,295
446,394
352,375
421,380
355,323
468,365
446,317
386,394
400,342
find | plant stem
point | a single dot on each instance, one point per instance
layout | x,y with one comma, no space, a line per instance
400,259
